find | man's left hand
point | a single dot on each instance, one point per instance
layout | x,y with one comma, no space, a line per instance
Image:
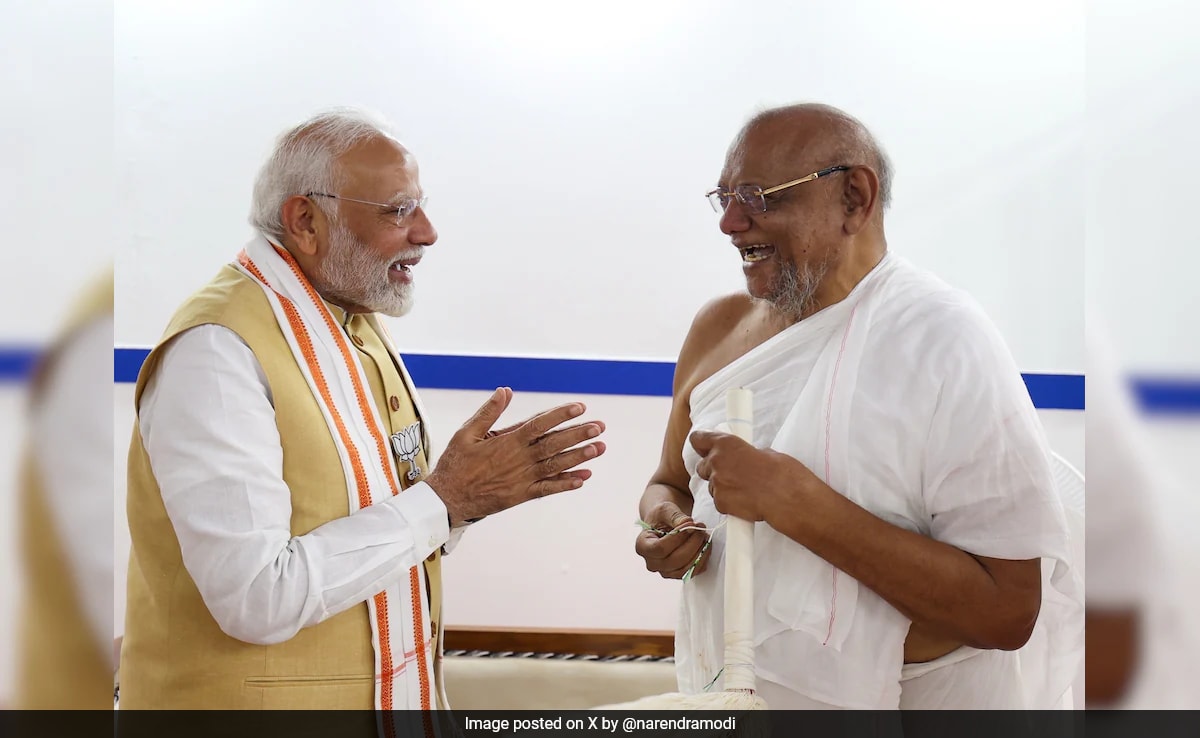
744,481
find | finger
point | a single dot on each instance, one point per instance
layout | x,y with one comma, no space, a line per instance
487,415
681,559
556,441
514,426
669,540
690,525
539,424
659,547
563,482
666,553
702,441
680,519
645,546
682,572
661,515
506,429
568,459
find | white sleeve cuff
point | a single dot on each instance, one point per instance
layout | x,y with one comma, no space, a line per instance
426,516
456,534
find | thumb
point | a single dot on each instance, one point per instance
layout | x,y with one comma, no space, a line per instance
702,441
487,415
678,518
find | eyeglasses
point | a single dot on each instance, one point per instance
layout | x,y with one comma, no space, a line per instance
754,198
403,208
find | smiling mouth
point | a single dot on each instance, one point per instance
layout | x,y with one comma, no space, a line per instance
406,262
756,252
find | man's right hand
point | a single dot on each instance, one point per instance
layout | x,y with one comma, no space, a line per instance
672,555
484,471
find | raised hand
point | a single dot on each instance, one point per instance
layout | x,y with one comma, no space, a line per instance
483,471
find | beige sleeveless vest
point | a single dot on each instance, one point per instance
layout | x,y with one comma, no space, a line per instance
174,656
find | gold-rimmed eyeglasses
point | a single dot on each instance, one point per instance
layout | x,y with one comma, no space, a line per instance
754,198
402,208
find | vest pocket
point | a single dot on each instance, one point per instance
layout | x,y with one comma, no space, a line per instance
310,692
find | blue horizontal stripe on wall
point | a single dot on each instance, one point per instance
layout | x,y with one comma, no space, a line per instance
16,362
580,376
1055,391
595,376
1172,396
127,362
646,378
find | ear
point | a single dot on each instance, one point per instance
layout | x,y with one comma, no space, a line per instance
302,223
860,198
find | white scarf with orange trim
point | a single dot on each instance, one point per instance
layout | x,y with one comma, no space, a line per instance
400,627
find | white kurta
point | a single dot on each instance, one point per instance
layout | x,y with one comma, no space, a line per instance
904,398
219,465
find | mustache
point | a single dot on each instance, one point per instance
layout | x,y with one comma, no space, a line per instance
417,252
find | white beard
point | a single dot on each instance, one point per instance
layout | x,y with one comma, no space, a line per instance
352,275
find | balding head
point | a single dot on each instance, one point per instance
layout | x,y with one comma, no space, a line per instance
822,135
805,187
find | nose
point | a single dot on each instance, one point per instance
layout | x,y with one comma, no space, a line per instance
422,232
734,219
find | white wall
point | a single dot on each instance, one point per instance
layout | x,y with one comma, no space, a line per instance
56,144
1143,114
566,150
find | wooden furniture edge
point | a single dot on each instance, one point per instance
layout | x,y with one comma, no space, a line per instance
598,642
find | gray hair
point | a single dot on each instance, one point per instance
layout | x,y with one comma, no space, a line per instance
884,169
304,159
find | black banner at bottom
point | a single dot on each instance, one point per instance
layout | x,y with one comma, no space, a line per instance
580,724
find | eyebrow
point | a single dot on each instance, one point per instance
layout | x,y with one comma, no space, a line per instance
396,199
727,188
724,183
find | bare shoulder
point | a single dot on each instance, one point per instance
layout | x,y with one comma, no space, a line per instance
721,315
716,337
703,353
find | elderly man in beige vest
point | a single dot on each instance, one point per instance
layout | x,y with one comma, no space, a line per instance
286,522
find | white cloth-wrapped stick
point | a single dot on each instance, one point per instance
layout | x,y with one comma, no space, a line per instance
739,602
739,564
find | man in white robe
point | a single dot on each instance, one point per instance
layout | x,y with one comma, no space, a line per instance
899,476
